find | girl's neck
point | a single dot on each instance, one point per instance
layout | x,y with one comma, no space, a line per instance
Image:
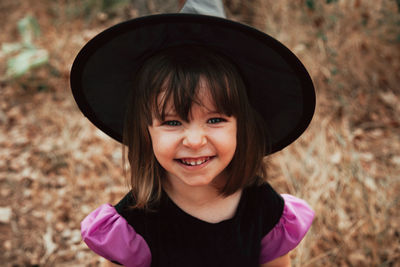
196,196
203,202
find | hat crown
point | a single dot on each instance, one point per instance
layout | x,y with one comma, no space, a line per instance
204,7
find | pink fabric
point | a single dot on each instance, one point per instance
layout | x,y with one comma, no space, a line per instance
286,235
109,235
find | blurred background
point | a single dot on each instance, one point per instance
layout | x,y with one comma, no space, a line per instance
55,167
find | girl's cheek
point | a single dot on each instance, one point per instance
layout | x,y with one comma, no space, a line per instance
168,138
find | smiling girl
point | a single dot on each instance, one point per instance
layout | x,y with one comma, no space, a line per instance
197,114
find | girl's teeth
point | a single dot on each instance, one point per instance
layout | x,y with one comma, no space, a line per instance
196,162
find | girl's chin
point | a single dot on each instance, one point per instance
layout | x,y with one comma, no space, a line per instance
190,180
201,181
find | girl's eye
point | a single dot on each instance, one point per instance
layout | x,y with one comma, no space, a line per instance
171,123
215,120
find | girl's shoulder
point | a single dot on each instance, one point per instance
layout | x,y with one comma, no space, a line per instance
264,203
294,220
116,232
125,209
109,235
275,205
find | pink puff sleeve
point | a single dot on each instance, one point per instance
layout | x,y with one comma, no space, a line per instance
286,235
109,235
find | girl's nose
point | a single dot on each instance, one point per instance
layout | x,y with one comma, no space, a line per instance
194,138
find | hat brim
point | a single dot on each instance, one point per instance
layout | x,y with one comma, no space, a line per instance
279,87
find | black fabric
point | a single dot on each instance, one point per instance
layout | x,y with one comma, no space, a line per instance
178,239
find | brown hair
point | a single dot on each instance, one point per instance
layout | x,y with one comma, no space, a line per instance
176,72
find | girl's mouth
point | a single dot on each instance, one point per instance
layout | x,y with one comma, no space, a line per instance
194,161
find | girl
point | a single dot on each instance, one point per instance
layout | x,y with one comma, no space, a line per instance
198,101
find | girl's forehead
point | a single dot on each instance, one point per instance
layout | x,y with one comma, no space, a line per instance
203,98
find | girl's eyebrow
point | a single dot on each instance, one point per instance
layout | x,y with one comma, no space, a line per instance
212,111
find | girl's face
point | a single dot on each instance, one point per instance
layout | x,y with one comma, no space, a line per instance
197,151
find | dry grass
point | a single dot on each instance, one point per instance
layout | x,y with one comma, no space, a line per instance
55,167
347,163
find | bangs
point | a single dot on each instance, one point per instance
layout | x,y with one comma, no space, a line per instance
183,74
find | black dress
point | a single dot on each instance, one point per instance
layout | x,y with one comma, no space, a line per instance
177,239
